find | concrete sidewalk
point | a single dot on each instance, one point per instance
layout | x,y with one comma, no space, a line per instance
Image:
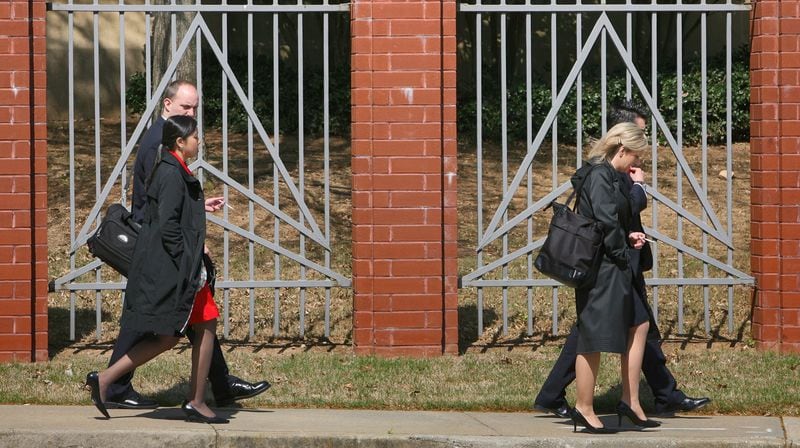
80,426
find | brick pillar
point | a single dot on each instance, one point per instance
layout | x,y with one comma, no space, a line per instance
404,184
23,182
775,165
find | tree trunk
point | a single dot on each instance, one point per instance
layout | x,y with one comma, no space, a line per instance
163,44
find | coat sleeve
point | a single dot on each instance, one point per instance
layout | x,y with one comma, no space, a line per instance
601,195
638,198
170,206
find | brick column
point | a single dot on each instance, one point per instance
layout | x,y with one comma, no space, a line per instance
775,165
23,182
404,184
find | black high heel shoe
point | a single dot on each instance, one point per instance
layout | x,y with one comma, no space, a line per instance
579,419
93,382
193,415
624,409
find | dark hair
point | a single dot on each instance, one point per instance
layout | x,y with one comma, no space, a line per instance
179,126
626,112
174,86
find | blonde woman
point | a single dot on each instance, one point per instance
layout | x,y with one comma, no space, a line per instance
607,318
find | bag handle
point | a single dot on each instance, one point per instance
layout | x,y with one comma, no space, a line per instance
576,191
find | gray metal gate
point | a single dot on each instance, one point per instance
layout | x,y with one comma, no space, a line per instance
506,242
277,222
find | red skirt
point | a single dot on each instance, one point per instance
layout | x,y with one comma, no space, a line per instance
204,308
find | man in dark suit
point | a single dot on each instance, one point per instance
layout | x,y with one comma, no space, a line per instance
668,398
180,98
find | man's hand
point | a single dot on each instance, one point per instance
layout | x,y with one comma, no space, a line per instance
214,204
636,173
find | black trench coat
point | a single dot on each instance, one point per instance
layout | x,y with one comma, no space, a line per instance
605,309
165,269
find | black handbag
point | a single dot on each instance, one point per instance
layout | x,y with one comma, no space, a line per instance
115,238
572,251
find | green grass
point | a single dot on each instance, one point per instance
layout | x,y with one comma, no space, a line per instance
740,380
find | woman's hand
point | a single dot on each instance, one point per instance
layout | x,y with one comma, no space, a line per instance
214,204
636,173
636,239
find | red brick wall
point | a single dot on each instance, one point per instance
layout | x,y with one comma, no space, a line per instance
23,182
775,165
404,185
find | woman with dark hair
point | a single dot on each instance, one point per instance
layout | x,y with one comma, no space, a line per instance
168,284
609,319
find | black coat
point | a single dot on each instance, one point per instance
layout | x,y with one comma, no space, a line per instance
165,269
604,309
641,260
145,159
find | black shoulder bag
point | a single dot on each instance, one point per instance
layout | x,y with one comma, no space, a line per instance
572,250
115,238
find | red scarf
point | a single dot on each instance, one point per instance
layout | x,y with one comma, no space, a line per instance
183,164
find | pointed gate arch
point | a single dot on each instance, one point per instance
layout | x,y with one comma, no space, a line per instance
506,242
292,210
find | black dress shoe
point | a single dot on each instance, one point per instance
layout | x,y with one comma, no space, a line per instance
688,404
131,401
562,411
193,415
93,383
240,389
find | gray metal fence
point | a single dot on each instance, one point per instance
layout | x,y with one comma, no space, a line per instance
276,234
693,227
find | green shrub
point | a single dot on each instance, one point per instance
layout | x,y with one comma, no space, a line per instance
615,86
339,96
339,101
135,93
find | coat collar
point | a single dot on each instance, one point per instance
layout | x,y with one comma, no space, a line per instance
167,157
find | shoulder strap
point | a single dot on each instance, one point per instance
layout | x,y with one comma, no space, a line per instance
576,191
152,172
159,156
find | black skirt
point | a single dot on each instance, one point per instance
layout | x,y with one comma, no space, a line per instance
640,314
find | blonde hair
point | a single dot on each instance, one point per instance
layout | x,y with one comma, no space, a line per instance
629,135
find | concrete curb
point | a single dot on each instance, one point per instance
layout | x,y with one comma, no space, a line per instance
79,426
791,426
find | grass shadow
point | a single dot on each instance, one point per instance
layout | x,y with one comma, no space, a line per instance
606,402
749,319
175,394
280,346
717,336
468,325
58,327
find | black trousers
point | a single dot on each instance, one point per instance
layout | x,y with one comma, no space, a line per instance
119,390
654,365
